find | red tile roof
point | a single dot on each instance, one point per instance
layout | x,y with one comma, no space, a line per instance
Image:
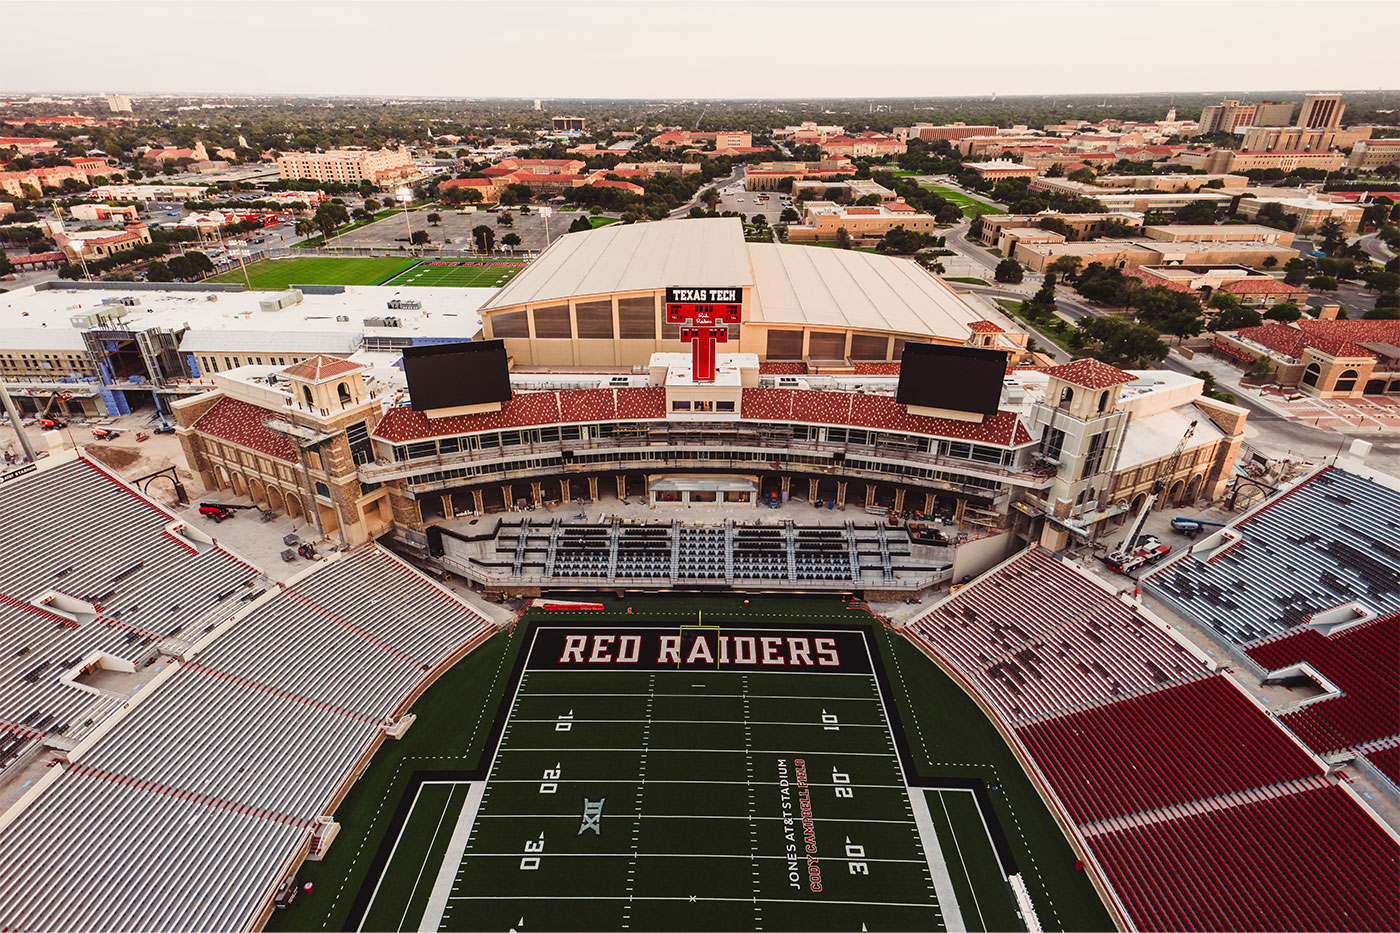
319,368
881,412
876,369
1261,286
985,327
246,425
1091,374
570,406
1334,338
782,368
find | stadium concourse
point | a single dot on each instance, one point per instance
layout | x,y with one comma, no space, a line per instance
175,728
1192,807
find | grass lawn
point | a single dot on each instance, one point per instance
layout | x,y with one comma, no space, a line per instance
318,270
602,221
971,207
460,273
1013,308
965,281
697,827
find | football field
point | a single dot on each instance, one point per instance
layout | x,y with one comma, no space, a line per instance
678,778
459,273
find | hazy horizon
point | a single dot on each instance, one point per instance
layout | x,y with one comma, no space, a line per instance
722,50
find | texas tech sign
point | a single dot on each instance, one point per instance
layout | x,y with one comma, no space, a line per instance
704,315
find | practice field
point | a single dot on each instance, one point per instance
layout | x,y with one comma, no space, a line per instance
672,787
460,273
971,207
268,274
273,274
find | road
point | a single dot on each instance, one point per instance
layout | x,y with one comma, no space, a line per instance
718,184
1372,246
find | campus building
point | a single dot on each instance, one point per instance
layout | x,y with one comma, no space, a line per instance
822,221
89,245
1299,138
1219,161
1321,111
1229,115
1373,153
1326,358
567,124
684,139
930,132
381,168
1039,252
1001,169
990,227
1311,212
865,145
770,176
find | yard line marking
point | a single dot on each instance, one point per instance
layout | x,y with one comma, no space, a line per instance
700,783
721,696
683,816
717,722
683,900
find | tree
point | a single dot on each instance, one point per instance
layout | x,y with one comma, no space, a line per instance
6,267
1119,342
1295,271
843,238
1324,283
505,219
1041,305
305,227
1182,324
1270,262
330,216
511,240
1009,271
1235,318
1284,311
159,272
435,219
580,223
418,238
710,198
1197,212
472,196
1084,175
484,237
789,216
371,205
1065,266
868,200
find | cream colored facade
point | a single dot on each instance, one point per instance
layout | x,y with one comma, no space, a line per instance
822,222
1311,212
1373,153
348,166
1321,110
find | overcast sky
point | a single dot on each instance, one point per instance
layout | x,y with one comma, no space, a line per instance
659,48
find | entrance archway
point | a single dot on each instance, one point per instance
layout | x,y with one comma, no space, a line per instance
1193,488
275,500
294,507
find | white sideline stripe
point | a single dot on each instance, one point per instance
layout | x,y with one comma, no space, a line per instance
717,696
683,900
418,879
650,749
778,669
957,846
390,860
451,860
683,816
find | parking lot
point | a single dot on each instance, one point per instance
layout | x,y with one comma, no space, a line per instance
454,232
735,198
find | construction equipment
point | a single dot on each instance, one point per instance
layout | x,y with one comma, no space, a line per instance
106,434
1138,550
1191,527
50,424
217,512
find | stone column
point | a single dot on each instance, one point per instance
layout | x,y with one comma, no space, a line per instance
537,493
478,504
447,510
787,484
508,495
564,491
841,494
869,494
592,489
811,490
930,500
899,500
621,485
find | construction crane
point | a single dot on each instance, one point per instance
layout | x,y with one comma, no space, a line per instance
1138,550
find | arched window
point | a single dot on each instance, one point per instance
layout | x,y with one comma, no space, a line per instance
1311,374
1103,400
1066,396
343,391
1346,381
306,394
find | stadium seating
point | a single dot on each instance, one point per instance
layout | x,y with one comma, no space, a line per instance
1327,541
1363,662
184,816
1310,860
1169,747
1040,637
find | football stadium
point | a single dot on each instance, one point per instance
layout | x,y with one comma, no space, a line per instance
701,585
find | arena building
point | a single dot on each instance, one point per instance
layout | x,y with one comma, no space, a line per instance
596,299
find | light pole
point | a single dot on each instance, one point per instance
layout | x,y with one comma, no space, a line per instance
405,194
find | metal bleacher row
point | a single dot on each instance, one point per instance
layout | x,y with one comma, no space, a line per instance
724,553
1041,637
75,530
1332,539
1200,811
185,813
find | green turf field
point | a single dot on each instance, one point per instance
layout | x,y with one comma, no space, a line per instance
971,207
459,273
317,270
686,764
